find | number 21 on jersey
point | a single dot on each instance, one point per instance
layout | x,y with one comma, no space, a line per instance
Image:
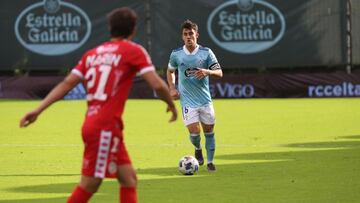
103,72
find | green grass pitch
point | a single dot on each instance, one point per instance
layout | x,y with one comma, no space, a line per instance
268,150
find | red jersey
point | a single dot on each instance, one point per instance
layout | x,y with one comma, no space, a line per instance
107,72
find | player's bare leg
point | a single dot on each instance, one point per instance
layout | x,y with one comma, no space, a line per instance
86,188
209,145
194,130
90,184
127,178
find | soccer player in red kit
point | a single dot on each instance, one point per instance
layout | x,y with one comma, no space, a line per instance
107,72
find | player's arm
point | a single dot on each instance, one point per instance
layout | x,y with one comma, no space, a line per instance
171,78
213,71
55,94
213,68
159,86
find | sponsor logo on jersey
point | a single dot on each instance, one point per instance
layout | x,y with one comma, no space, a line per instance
189,72
107,48
246,26
52,27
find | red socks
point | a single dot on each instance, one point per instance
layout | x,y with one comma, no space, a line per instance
128,195
79,195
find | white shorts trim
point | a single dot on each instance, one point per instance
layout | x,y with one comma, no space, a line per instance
204,114
102,155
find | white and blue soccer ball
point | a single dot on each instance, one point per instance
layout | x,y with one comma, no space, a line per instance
188,165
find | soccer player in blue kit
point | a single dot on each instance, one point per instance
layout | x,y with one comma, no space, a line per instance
195,64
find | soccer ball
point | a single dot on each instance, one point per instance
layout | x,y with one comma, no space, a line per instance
188,165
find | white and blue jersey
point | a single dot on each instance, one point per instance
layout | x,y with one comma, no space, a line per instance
193,92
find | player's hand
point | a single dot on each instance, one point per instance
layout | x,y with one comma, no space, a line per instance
174,94
173,113
201,73
28,119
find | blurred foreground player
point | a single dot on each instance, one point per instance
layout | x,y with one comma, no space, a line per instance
107,72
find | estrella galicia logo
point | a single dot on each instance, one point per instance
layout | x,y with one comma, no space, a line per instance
52,27
246,26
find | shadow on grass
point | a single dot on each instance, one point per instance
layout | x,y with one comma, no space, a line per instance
322,172
350,137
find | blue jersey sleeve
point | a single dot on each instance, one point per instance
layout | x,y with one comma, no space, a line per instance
173,62
211,59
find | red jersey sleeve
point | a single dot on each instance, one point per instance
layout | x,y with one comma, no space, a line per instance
80,68
141,60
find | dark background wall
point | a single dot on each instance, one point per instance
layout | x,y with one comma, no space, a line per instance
355,12
314,32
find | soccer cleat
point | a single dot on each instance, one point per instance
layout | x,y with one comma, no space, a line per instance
211,167
199,156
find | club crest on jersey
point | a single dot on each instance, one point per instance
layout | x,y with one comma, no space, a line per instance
52,27
112,168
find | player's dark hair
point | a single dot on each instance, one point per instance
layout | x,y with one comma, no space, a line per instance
188,24
122,22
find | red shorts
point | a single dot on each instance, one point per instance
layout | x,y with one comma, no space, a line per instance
104,151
